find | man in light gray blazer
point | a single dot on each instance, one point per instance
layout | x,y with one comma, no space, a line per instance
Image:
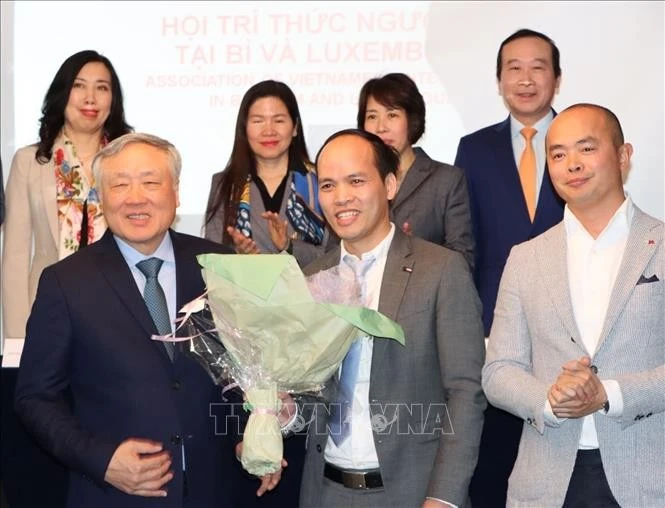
417,409
577,348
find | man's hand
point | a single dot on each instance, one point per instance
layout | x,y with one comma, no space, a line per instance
577,392
277,229
269,481
288,410
242,244
140,467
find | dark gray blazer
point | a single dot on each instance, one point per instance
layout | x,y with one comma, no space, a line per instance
426,395
434,200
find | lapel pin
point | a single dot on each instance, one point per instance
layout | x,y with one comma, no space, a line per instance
651,242
407,269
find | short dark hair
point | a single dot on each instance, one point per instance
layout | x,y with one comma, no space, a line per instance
395,90
522,34
386,158
57,97
612,120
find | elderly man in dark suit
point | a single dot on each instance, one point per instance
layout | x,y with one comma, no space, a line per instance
139,430
512,200
416,412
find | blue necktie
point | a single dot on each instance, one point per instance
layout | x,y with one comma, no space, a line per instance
153,294
341,410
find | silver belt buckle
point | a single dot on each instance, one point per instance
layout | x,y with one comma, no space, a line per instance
354,480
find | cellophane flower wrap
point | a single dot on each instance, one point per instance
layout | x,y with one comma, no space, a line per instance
270,329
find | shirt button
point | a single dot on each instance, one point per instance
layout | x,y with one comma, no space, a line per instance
176,385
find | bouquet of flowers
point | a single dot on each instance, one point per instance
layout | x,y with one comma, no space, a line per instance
270,329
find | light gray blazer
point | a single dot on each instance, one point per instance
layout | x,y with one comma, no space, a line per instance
429,291
434,200
304,252
31,221
535,332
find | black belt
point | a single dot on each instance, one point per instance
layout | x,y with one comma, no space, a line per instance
354,479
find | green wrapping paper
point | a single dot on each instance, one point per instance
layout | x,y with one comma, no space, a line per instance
263,453
279,338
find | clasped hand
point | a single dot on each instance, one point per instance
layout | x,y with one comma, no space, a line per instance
578,391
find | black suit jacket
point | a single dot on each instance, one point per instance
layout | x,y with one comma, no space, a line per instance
88,337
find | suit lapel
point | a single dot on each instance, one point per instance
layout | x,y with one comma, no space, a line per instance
553,266
637,255
419,171
329,259
119,277
505,160
49,197
185,272
399,264
508,172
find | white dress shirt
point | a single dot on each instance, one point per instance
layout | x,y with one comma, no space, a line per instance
358,450
593,265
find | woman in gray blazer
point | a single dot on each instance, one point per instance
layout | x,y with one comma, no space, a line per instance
432,200
266,199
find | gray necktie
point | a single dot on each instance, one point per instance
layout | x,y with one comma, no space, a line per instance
341,410
153,294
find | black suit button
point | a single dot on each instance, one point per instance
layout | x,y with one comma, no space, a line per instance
649,414
594,369
176,439
318,448
176,385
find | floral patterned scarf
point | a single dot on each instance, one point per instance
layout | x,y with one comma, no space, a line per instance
75,195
